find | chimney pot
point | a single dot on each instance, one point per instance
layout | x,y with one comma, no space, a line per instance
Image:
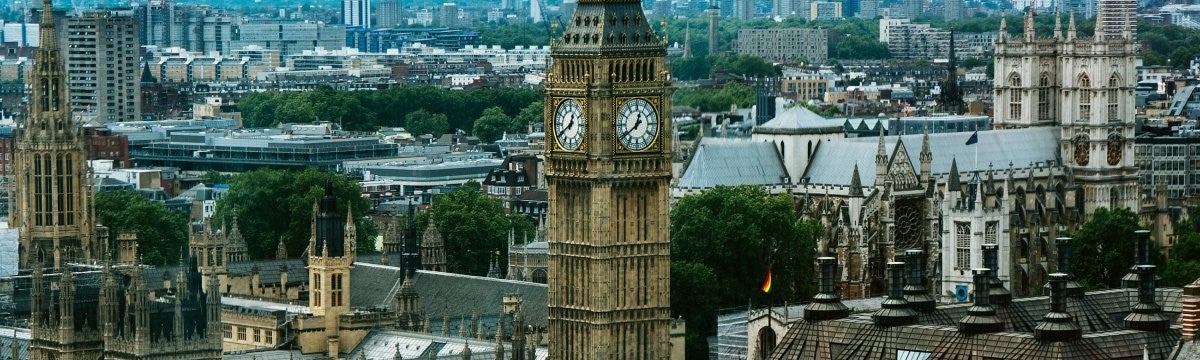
999,294
895,311
1146,315
915,291
1058,325
981,317
826,305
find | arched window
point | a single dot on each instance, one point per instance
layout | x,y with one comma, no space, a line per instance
1014,103
1085,97
766,342
1044,97
1113,108
1114,198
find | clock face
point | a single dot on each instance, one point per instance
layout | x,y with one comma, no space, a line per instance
1081,152
568,124
1114,150
637,124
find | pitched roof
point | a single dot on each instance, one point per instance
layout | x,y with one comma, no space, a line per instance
831,164
799,120
446,294
720,161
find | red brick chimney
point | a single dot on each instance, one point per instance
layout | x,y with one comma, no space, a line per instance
1191,310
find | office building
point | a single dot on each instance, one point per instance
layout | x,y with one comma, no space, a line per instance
1116,16
197,28
103,68
867,9
389,14
824,10
953,9
785,45
289,37
743,9
356,13
450,15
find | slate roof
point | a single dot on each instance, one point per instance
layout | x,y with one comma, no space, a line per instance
719,161
936,336
799,120
459,295
274,355
446,294
382,344
831,164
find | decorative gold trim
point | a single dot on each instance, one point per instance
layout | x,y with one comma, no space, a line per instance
654,105
553,112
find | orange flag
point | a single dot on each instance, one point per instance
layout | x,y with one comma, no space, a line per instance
766,286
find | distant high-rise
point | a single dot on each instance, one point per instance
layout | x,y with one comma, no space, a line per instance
952,9
101,53
389,14
1114,15
449,15
197,28
867,9
662,9
743,9
356,13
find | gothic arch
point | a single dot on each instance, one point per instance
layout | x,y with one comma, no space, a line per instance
1014,80
766,342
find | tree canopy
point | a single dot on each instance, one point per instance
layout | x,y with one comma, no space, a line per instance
715,99
1183,264
493,124
368,110
271,205
474,229
728,238
421,122
1105,247
161,232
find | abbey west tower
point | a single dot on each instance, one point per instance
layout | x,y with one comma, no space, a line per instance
1084,86
608,165
52,210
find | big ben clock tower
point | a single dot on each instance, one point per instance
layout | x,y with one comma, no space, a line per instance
608,165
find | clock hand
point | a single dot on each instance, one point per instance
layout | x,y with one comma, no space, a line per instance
636,125
570,125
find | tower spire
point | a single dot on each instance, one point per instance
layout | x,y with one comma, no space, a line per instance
880,157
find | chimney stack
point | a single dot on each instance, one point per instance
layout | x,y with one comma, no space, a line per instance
991,260
1146,315
895,311
827,305
1073,287
915,291
1141,256
1190,316
981,317
1058,325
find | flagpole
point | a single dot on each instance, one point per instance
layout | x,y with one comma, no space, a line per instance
976,148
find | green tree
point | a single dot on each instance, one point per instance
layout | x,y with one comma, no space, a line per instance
1183,265
162,233
474,229
745,223
692,289
715,99
421,122
492,125
746,65
693,68
532,114
213,177
277,204
1106,242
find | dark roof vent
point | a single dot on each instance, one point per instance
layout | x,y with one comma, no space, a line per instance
999,294
981,317
1146,315
1058,325
1072,287
915,291
895,311
827,305
1141,256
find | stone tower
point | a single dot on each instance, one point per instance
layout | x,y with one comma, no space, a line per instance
1085,87
607,168
433,249
331,256
53,209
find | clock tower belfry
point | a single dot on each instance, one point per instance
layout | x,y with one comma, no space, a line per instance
608,165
